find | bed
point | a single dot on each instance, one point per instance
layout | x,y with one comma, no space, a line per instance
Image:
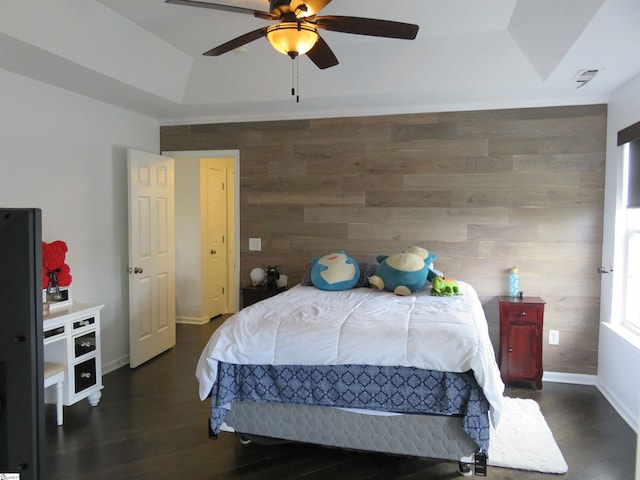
360,368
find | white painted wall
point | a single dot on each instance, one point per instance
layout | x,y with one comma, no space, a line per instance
188,248
618,357
66,154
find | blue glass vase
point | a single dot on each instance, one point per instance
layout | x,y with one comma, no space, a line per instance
514,277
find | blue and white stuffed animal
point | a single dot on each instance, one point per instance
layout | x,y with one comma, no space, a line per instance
335,271
403,273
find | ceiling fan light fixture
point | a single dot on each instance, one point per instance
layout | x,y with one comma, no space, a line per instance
292,38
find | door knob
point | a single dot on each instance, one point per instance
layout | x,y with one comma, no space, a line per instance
212,251
138,270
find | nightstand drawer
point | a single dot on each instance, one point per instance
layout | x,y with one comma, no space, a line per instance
251,295
522,312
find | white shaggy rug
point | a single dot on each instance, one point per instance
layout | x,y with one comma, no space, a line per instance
523,440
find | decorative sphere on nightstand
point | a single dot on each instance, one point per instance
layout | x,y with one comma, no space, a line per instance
257,276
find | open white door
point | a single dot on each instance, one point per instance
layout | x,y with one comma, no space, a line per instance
152,312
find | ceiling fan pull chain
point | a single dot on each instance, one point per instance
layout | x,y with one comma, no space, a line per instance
293,88
298,79
295,77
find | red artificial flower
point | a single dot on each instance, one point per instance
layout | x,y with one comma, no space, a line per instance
53,256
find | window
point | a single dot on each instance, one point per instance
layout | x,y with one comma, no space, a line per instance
631,318
631,274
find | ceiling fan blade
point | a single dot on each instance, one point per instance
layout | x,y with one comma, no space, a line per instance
312,6
322,55
368,26
237,42
225,8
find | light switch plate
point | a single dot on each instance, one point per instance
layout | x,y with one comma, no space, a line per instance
554,337
255,244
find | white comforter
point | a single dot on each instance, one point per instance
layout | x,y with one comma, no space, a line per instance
308,326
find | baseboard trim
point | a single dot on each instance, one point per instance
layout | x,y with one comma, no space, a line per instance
192,320
629,417
572,378
115,364
582,379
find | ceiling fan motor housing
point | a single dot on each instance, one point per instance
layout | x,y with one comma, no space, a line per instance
281,6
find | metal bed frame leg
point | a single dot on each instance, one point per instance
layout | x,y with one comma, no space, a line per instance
476,463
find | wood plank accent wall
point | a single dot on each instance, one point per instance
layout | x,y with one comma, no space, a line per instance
483,190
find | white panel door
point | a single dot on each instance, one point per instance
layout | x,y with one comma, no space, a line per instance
152,312
216,241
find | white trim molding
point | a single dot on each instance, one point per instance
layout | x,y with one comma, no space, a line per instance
620,407
592,380
192,320
572,378
114,365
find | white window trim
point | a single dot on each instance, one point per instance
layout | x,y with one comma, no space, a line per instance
631,329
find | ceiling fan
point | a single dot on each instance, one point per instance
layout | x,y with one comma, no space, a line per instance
296,32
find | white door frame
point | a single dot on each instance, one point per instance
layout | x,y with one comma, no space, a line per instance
235,154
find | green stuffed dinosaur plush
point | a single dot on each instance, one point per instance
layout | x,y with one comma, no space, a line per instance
444,287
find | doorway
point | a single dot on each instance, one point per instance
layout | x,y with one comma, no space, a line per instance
207,234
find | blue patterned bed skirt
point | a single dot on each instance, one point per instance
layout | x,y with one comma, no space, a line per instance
390,389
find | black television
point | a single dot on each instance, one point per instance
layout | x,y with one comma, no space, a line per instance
21,344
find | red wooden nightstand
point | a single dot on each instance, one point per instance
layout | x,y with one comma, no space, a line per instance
521,321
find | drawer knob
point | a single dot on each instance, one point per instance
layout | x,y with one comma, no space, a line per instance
523,314
510,350
85,374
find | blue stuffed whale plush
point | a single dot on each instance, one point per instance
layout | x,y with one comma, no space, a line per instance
403,273
335,271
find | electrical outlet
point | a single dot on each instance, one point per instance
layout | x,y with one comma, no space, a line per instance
554,337
255,244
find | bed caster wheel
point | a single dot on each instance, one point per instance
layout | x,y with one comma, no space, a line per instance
464,469
465,466
243,440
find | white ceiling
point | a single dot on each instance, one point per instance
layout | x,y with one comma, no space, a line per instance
146,56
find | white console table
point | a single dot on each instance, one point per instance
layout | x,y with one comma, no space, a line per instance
72,339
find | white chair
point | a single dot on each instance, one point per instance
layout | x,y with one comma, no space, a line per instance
54,375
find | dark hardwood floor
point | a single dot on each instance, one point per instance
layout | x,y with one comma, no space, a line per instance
151,425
